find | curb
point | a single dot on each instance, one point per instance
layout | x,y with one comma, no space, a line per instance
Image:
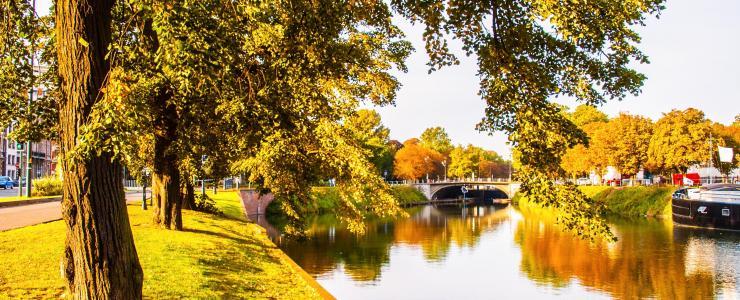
29,202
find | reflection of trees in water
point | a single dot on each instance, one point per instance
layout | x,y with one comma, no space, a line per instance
329,245
433,229
646,262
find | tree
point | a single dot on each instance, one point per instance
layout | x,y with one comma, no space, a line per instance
315,66
461,163
726,136
586,114
576,161
436,138
632,135
529,53
680,139
250,73
100,258
93,205
414,161
366,126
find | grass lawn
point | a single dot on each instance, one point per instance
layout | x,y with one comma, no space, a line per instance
214,257
637,201
16,198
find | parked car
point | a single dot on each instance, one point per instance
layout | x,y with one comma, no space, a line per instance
6,182
584,181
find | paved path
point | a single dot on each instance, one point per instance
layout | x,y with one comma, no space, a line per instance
21,216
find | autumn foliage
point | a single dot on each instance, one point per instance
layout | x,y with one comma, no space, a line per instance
414,161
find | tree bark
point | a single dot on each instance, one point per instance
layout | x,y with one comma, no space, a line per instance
166,177
100,260
188,196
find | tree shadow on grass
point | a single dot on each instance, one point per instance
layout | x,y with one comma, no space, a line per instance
242,266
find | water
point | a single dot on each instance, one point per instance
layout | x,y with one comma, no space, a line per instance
500,252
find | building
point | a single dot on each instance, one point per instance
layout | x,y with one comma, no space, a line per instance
43,155
10,155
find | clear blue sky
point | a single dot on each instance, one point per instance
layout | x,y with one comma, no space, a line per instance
694,50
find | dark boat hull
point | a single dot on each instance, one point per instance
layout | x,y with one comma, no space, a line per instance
707,214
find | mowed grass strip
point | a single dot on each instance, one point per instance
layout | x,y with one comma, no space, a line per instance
17,198
214,257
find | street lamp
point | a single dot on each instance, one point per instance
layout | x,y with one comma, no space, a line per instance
143,190
444,164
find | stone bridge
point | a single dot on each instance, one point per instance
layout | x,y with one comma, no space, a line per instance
480,187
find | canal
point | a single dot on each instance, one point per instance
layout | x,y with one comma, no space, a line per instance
450,252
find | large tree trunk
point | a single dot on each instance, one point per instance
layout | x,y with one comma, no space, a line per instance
100,260
166,178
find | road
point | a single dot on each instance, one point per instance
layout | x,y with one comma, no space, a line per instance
8,193
21,216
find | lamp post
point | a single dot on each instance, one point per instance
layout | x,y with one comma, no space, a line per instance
30,99
203,159
143,189
444,164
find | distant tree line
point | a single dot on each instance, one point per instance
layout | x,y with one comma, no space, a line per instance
630,143
429,156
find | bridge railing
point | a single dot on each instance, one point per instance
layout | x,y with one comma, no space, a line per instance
449,180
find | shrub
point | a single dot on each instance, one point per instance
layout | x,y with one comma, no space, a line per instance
204,203
47,186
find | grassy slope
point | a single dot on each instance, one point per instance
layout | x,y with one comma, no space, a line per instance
215,257
408,194
637,201
627,201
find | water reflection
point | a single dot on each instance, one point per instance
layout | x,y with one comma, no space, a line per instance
651,259
481,248
432,228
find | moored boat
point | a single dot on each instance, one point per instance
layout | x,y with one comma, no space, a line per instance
716,206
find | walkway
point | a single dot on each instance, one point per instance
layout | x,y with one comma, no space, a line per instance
27,215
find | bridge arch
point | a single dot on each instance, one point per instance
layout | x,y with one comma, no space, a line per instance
483,192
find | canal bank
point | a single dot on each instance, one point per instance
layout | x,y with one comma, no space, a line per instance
638,201
215,257
325,200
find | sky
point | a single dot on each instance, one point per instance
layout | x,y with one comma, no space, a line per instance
694,49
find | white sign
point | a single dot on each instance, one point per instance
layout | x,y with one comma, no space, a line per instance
725,154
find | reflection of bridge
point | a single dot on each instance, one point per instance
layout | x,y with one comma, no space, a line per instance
483,188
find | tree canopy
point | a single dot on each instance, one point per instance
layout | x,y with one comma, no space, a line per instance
680,140
436,138
414,161
529,53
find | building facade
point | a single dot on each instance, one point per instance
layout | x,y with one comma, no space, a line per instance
43,157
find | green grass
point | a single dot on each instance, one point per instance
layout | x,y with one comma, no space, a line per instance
325,199
407,194
214,257
16,198
637,201
652,201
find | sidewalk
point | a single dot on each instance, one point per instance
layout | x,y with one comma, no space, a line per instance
27,215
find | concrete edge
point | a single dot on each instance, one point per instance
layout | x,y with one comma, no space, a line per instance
29,202
301,272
